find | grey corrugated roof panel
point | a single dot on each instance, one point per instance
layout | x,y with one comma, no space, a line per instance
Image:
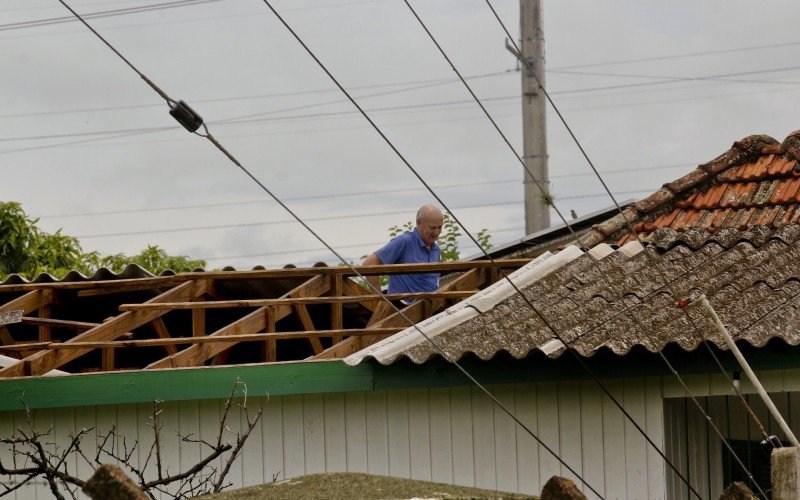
750,277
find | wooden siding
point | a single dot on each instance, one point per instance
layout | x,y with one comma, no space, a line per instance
450,435
694,447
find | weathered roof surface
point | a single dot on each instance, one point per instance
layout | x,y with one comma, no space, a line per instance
751,278
755,183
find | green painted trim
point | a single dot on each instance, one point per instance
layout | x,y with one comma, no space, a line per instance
183,384
335,376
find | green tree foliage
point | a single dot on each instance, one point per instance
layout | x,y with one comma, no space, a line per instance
27,250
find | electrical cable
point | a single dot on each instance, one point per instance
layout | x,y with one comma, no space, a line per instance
639,239
487,255
209,136
106,13
548,199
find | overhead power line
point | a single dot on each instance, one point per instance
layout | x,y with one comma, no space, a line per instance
380,192
104,13
398,311
529,65
323,249
435,81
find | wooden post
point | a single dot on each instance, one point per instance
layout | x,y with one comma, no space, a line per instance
337,289
45,333
270,346
198,322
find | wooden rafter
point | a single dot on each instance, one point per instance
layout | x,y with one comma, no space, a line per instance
252,323
292,301
161,331
173,341
469,280
42,362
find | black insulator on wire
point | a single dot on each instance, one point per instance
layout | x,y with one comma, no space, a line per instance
186,116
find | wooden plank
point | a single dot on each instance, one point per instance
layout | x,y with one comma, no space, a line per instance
613,443
189,425
31,301
352,289
252,453
505,443
441,267
248,337
107,360
45,334
59,323
591,415
249,324
198,322
547,418
382,311
308,325
293,301
161,330
654,408
398,433
356,429
419,425
42,362
462,427
272,440
314,429
270,345
569,421
293,436
441,438
377,433
469,280
335,433
337,311
635,444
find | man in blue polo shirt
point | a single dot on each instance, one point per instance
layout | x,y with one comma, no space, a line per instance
416,246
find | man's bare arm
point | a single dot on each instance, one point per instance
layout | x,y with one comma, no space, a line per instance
373,260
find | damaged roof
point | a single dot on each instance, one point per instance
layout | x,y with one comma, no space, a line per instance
728,229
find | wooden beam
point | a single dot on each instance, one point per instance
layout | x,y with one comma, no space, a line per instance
45,334
382,310
470,280
58,323
385,269
270,345
292,301
108,360
127,287
353,289
198,322
161,331
31,301
254,322
337,312
173,341
42,362
308,325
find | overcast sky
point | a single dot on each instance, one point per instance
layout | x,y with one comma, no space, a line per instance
643,116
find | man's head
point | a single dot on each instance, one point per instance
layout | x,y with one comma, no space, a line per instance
429,223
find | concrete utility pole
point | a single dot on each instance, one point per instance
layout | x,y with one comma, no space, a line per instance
534,127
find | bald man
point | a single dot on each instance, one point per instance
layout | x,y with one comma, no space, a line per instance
416,246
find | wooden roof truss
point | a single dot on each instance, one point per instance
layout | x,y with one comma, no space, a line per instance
214,318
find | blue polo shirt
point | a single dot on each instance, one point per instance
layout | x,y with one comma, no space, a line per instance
408,248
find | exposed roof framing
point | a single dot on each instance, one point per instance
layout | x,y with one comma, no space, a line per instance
213,318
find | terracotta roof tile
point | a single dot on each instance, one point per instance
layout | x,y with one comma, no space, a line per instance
756,182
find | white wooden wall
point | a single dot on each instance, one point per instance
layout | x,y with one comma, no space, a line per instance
702,458
449,435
